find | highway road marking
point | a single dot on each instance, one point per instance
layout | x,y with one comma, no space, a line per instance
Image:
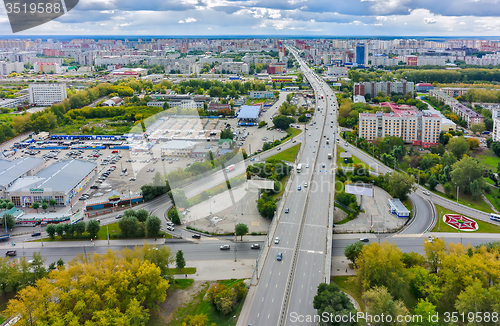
418,235
258,315
312,251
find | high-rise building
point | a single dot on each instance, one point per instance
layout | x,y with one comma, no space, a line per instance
47,94
362,54
373,88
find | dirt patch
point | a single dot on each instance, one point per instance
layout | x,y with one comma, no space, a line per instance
178,298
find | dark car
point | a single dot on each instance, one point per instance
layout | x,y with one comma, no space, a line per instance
364,239
255,246
94,187
36,234
287,210
196,236
280,256
11,253
225,247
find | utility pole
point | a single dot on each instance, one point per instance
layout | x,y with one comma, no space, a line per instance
107,232
439,218
235,253
457,193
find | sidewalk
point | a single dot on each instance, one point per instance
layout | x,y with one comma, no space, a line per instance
98,243
208,270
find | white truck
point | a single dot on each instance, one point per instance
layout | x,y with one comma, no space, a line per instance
230,168
329,156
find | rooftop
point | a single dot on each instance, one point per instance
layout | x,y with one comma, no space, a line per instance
249,112
62,176
11,170
179,144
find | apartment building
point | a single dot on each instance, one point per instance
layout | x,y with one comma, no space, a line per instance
454,91
414,127
47,68
441,96
496,129
383,60
47,94
469,115
373,88
10,67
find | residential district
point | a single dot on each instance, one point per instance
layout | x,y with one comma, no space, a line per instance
249,181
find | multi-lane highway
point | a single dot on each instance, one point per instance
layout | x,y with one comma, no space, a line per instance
289,284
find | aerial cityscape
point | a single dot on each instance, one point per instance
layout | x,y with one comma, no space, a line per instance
246,163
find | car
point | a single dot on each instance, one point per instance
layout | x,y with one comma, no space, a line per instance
36,234
427,193
119,216
279,148
287,210
252,159
170,228
363,239
323,165
225,247
307,165
82,198
276,240
305,185
170,223
280,256
196,236
299,188
316,140
94,187
11,253
132,179
294,141
430,238
255,246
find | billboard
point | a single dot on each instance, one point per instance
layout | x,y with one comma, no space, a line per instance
337,84
359,189
78,216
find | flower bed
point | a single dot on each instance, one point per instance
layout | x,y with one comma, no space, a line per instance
460,222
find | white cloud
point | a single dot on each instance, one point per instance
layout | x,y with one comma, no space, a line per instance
187,20
429,20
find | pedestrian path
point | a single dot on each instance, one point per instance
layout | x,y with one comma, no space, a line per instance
417,235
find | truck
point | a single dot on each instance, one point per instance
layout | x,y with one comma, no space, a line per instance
329,156
230,168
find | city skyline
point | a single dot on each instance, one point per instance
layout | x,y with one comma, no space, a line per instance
277,18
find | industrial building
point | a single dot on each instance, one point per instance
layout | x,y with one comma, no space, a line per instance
178,148
249,115
397,207
47,94
60,181
10,171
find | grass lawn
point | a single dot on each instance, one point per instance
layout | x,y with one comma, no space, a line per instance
467,200
288,155
283,182
489,181
488,159
484,227
200,306
355,160
185,270
183,283
349,285
293,131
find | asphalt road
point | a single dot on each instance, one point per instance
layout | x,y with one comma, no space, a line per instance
203,250
307,216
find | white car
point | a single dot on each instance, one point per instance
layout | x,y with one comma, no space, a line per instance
276,240
427,193
307,165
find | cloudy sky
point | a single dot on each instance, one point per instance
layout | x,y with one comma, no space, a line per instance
274,17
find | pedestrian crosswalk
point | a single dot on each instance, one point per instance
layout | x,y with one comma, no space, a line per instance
418,235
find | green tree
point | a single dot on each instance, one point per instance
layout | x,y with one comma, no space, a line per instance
45,206
153,226
79,227
51,231
283,122
93,227
433,182
226,134
36,205
401,185
173,215
128,225
10,219
478,128
466,171
353,250
60,230
458,146
178,196
424,308
60,262
52,202
180,263
331,300
241,229
142,215
379,301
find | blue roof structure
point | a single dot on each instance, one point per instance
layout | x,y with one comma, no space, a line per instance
249,112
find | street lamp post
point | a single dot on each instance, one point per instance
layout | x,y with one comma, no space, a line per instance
419,175
439,218
457,193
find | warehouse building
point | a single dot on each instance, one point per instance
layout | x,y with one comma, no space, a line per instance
60,181
10,171
182,148
249,115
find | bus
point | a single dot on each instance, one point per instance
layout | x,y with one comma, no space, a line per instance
495,217
299,168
